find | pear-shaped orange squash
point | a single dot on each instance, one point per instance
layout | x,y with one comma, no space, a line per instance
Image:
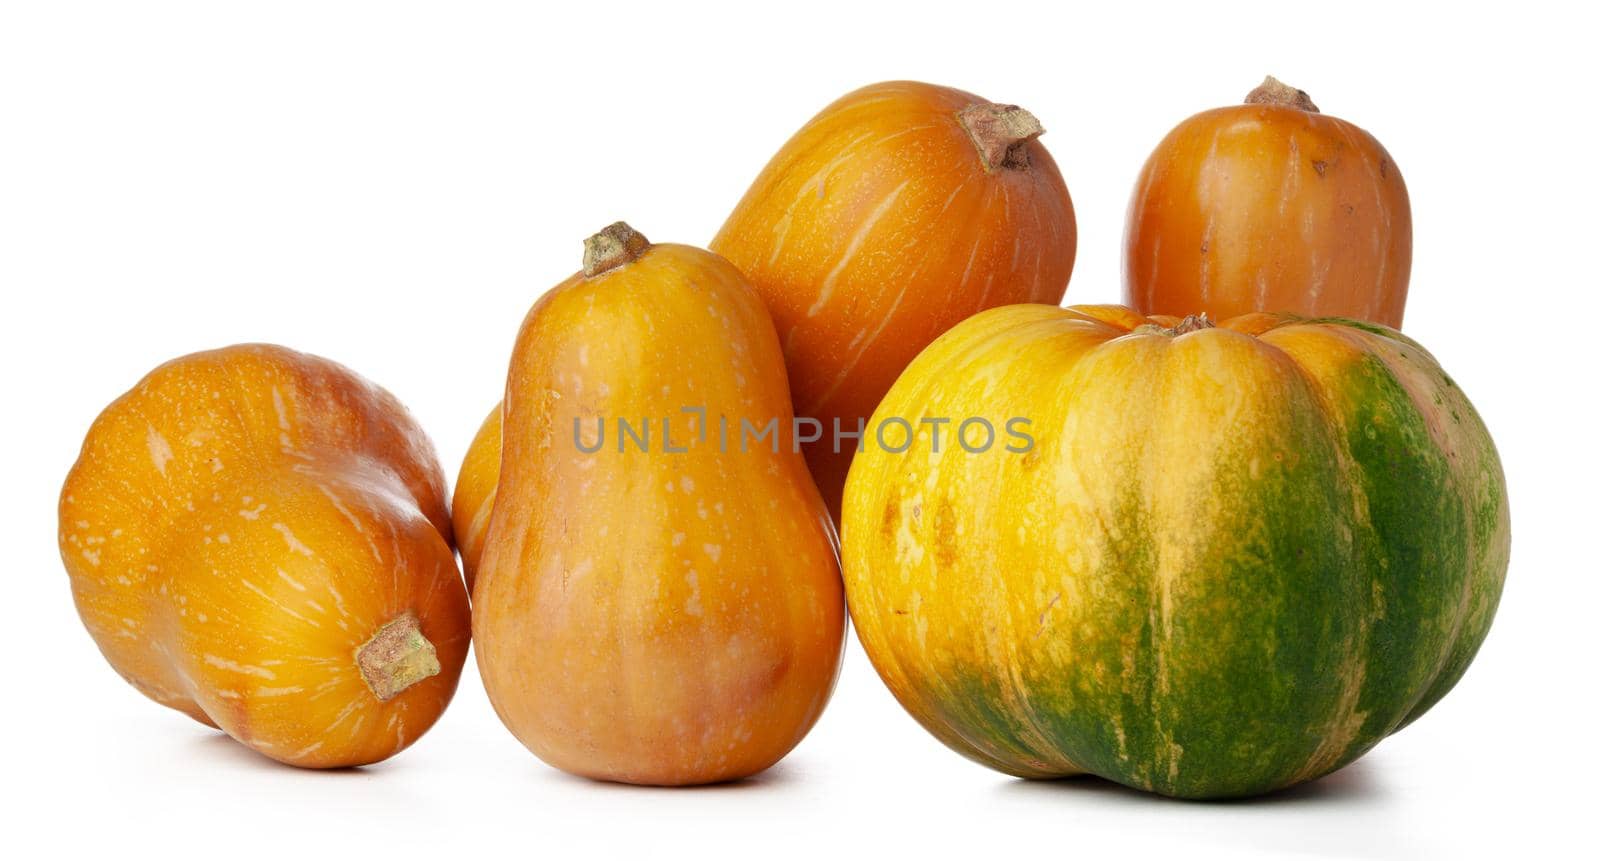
258,538
658,602
899,211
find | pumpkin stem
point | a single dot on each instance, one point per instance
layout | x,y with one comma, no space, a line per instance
1193,323
396,657
1001,134
614,246
1275,92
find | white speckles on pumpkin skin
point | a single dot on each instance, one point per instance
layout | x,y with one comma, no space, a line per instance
1290,187
287,611
342,716
355,522
338,603
692,606
293,542
160,450
279,408
222,663
1319,276
282,411
856,240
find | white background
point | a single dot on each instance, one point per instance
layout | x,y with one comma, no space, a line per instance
392,185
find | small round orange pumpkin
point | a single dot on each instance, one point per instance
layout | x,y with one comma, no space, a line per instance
899,211
1269,206
258,538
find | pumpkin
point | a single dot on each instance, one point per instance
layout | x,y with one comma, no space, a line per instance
658,599
258,538
474,496
1269,206
1211,561
898,211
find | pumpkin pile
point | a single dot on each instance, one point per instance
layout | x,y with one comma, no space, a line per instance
1213,544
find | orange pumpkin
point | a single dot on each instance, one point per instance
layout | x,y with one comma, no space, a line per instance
258,538
474,496
900,210
665,609
1269,206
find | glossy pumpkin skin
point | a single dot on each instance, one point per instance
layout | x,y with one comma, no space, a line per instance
474,496
877,227
1233,560
1269,207
654,617
240,525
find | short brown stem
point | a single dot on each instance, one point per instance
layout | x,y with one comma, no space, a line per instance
396,657
1001,134
614,246
1275,92
1193,323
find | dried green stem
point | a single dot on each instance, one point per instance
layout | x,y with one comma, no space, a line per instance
396,657
614,246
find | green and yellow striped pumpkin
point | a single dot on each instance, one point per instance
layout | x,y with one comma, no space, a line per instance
1232,559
